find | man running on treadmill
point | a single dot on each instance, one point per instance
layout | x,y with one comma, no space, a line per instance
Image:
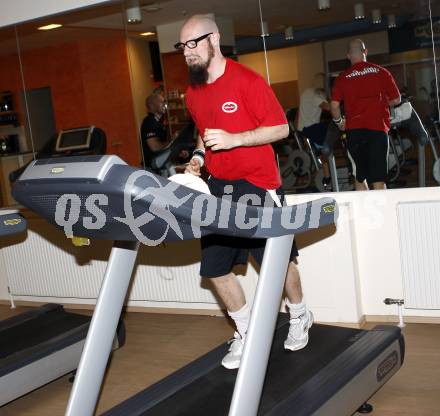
237,116
367,90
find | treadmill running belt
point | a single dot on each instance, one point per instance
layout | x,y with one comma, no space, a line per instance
211,393
35,331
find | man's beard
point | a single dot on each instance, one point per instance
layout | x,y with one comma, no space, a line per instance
198,73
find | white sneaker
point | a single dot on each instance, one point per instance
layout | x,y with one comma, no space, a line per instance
232,359
298,336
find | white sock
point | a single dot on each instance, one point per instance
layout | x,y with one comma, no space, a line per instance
296,309
241,319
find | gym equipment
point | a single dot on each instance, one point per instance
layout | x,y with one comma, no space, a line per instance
89,140
405,116
298,160
165,161
11,223
334,375
301,161
435,137
340,176
40,345
135,205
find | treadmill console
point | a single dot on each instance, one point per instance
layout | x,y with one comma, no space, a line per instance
75,167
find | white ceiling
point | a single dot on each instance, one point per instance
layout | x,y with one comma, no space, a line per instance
278,13
245,14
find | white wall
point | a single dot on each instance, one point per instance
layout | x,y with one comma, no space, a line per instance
376,43
374,227
16,11
346,275
310,62
283,64
141,74
296,63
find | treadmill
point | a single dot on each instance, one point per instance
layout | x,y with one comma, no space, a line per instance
104,198
40,345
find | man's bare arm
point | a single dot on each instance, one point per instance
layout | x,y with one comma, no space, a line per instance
335,108
394,102
200,144
218,139
194,164
155,144
325,106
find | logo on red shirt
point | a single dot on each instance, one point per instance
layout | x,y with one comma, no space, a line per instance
365,71
229,107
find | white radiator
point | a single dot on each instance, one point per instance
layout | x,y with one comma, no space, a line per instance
419,233
48,265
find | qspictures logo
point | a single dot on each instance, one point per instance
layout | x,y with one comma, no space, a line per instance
151,211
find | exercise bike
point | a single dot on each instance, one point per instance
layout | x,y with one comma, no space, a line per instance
405,116
301,161
166,162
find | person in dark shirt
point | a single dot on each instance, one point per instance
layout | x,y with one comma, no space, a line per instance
154,135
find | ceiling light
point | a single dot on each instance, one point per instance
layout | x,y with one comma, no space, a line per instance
264,29
376,16
133,12
147,34
288,33
50,27
155,8
359,11
392,21
323,4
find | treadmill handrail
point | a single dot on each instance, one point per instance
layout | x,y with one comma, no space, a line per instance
11,224
138,204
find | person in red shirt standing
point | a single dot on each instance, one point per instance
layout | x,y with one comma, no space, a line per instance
367,90
237,116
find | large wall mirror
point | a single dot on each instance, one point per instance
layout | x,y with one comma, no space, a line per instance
80,82
15,149
96,67
154,54
311,38
76,74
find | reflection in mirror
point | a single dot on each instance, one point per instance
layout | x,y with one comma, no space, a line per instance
160,72
15,148
402,38
77,84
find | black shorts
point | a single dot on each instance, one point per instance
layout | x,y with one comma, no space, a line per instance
368,151
221,253
316,133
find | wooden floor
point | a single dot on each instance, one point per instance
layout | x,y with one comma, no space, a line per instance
159,344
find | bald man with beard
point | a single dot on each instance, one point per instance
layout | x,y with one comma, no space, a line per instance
367,91
238,117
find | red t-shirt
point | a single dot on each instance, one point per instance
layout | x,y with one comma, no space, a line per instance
237,101
366,90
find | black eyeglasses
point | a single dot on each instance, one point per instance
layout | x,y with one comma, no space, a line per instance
191,44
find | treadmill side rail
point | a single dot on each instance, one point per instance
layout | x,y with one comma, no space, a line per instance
347,400
361,370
